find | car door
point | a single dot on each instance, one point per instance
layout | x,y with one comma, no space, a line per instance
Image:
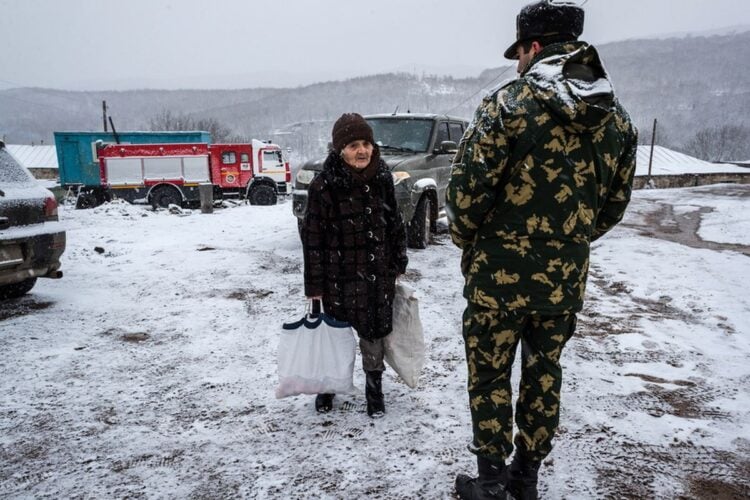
442,161
230,169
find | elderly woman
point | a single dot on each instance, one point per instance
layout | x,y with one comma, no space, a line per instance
354,243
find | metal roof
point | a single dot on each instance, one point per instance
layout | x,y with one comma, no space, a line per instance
34,156
415,116
669,162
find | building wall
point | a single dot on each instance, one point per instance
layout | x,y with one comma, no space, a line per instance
690,180
44,173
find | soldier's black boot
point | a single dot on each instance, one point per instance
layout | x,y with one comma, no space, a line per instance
523,475
374,394
488,485
324,403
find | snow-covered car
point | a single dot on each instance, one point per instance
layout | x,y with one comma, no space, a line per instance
419,149
31,238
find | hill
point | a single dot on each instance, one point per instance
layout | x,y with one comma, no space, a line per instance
687,83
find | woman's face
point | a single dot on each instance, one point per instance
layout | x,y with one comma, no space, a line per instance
357,154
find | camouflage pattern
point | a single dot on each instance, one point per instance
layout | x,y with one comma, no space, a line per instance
545,168
491,338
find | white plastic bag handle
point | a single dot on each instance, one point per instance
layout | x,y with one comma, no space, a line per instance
310,307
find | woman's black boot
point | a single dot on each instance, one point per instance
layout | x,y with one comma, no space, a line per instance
374,394
324,403
489,484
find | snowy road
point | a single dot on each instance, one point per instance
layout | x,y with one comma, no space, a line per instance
149,369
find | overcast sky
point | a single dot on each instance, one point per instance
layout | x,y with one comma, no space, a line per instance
107,44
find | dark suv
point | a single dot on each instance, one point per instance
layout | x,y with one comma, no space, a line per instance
418,148
31,239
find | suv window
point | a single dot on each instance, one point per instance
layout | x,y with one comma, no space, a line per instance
442,134
399,133
457,132
11,172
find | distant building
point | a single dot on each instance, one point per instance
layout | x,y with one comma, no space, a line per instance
670,168
669,162
40,160
745,164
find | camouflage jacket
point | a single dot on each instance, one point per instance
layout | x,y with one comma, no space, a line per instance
545,168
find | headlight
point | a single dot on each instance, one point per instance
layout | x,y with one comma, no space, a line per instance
399,176
305,176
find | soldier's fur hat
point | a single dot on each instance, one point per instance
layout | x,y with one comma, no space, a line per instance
546,19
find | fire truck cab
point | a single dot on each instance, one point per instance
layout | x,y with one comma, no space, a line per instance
255,171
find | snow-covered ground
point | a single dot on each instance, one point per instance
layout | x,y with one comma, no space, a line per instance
149,369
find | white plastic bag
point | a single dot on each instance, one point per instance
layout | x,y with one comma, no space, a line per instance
316,356
404,346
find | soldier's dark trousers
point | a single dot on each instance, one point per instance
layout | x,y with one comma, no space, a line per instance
491,338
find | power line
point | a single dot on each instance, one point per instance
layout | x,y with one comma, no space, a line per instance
34,103
481,88
40,91
486,85
58,94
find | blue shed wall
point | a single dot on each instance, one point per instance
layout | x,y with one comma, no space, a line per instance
76,150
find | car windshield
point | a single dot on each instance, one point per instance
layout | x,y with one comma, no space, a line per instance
403,134
11,172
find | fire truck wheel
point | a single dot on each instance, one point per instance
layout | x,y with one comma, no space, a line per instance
163,196
85,200
262,195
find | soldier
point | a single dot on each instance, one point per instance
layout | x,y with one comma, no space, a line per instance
545,168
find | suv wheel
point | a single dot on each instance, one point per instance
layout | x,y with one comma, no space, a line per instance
418,231
16,290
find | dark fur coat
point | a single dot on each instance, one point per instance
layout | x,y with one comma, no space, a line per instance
354,243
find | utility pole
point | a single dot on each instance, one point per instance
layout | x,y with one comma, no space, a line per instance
114,131
651,155
104,114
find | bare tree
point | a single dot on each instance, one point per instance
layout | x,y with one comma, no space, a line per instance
722,143
167,120
663,135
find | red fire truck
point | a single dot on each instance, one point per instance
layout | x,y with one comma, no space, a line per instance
164,174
